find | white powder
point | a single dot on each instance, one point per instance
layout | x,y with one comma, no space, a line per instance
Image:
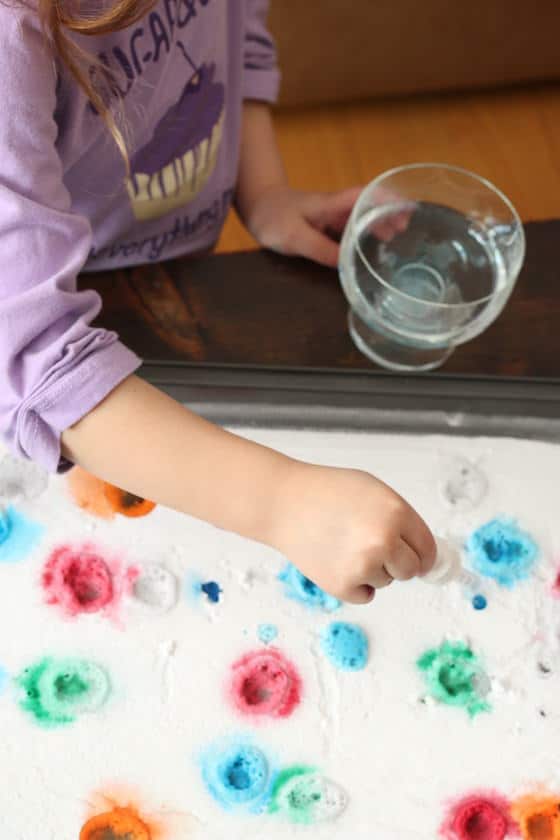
397,759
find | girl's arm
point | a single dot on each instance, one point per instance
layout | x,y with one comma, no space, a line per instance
344,529
261,167
140,439
54,365
280,218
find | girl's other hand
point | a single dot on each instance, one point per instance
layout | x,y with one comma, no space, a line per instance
308,224
302,224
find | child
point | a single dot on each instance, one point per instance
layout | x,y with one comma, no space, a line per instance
126,129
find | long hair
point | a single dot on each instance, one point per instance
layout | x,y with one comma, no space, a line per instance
58,20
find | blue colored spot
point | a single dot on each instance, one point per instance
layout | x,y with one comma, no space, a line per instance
18,535
267,633
300,588
479,602
346,646
237,775
195,588
3,679
502,551
212,591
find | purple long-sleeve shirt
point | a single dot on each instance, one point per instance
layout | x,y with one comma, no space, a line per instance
67,205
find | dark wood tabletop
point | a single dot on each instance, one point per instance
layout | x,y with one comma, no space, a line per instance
256,309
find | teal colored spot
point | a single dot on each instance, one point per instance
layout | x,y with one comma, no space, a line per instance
453,675
193,588
3,679
5,527
346,646
303,796
57,691
300,588
237,775
18,535
267,633
502,551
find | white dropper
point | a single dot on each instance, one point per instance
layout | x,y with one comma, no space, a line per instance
448,566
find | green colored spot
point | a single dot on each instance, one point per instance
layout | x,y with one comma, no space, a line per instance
57,691
288,796
67,686
303,796
455,677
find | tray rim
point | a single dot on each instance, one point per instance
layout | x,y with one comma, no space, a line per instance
324,398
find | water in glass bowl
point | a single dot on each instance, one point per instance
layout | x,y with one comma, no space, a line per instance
433,282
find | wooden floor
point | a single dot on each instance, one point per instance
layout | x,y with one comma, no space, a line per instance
511,137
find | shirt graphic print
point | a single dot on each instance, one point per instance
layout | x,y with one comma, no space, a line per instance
173,168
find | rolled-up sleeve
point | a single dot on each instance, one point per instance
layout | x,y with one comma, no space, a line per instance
261,73
54,366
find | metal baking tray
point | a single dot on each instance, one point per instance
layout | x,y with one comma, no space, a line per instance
361,401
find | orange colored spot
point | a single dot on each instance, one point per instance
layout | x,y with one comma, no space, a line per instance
89,493
104,500
126,503
118,824
538,817
119,813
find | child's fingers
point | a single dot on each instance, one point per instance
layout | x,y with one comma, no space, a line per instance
405,564
331,210
310,243
385,231
402,220
394,222
361,595
340,206
380,577
416,533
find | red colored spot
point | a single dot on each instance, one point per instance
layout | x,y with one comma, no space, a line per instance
265,683
79,580
480,820
479,817
556,586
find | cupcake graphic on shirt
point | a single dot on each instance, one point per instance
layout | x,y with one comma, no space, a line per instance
175,165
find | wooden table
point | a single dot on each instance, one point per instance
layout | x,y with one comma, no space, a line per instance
259,310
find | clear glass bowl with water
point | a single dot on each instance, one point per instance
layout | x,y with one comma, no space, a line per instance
429,258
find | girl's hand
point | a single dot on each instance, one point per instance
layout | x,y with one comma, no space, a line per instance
302,224
350,533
